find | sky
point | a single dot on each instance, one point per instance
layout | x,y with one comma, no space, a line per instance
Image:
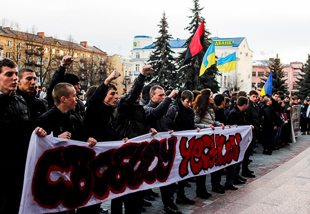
270,26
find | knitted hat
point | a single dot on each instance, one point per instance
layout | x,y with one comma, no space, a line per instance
71,78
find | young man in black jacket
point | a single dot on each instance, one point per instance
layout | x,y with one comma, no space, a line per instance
155,112
15,131
26,86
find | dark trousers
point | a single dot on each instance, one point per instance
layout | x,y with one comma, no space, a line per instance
216,178
307,124
201,184
302,124
230,174
269,138
167,194
132,202
90,209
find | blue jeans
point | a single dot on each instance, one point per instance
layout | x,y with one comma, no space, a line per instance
278,133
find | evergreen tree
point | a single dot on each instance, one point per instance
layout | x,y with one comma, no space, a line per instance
304,81
278,81
162,60
188,75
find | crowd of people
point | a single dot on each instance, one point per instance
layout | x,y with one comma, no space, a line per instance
146,108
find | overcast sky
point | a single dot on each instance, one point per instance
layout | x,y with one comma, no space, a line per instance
270,26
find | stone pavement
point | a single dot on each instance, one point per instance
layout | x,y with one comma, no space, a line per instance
282,185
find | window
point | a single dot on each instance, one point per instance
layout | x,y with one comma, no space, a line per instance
75,64
19,45
296,68
53,61
137,55
82,56
253,84
53,51
75,55
19,56
8,55
137,67
96,58
254,74
285,74
296,74
61,53
45,60
46,50
260,74
8,43
89,57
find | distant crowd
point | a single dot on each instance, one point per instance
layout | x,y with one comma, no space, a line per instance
105,116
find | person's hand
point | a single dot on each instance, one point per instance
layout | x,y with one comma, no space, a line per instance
125,139
173,93
171,131
198,129
65,135
211,126
114,75
228,126
289,108
146,69
153,131
222,125
66,60
236,125
40,132
91,141
275,128
252,127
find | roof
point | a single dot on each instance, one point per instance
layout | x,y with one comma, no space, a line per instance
179,43
36,38
142,36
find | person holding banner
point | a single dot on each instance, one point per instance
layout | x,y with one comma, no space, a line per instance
15,131
204,118
155,112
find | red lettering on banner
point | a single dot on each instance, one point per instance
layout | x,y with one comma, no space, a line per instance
208,151
90,174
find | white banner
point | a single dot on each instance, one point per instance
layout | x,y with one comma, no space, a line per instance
65,174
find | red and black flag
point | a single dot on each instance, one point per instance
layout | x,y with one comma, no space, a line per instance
196,44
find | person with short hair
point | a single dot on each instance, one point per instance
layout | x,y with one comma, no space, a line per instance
15,131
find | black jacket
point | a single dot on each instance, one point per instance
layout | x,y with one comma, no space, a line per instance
130,115
270,118
180,118
155,115
221,116
99,121
253,116
57,122
36,105
237,117
15,128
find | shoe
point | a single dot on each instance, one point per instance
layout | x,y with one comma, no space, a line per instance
172,209
203,195
237,182
143,210
230,187
218,190
146,203
248,174
184,200
187,184
149,198
221,187
103,211
247,170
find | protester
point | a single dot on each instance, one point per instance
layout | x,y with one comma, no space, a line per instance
180,116
26,87
15,131
303,110
204,118
155,112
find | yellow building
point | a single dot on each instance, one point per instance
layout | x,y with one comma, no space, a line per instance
43,54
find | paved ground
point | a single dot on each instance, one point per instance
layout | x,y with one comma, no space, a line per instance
282,185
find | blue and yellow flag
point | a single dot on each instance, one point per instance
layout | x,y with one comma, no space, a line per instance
227,63
267,88
208,59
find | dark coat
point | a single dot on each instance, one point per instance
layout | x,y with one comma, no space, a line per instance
99,121
270,118
15,128
57,122
36,105
253,117
221,116
180,118
237,117
155,115
130,115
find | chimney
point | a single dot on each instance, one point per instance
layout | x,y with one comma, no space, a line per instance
41,34
8,28
84,43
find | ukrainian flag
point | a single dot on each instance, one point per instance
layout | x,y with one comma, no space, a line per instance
227,63
208,59
267,88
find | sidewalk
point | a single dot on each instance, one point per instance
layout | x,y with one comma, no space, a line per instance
282,185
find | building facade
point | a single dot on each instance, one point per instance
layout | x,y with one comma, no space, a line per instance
235,80
291,73
43,54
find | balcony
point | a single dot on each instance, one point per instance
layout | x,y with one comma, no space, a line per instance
30,63
37,63
30,51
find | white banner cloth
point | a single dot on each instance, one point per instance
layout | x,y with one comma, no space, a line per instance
66,174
